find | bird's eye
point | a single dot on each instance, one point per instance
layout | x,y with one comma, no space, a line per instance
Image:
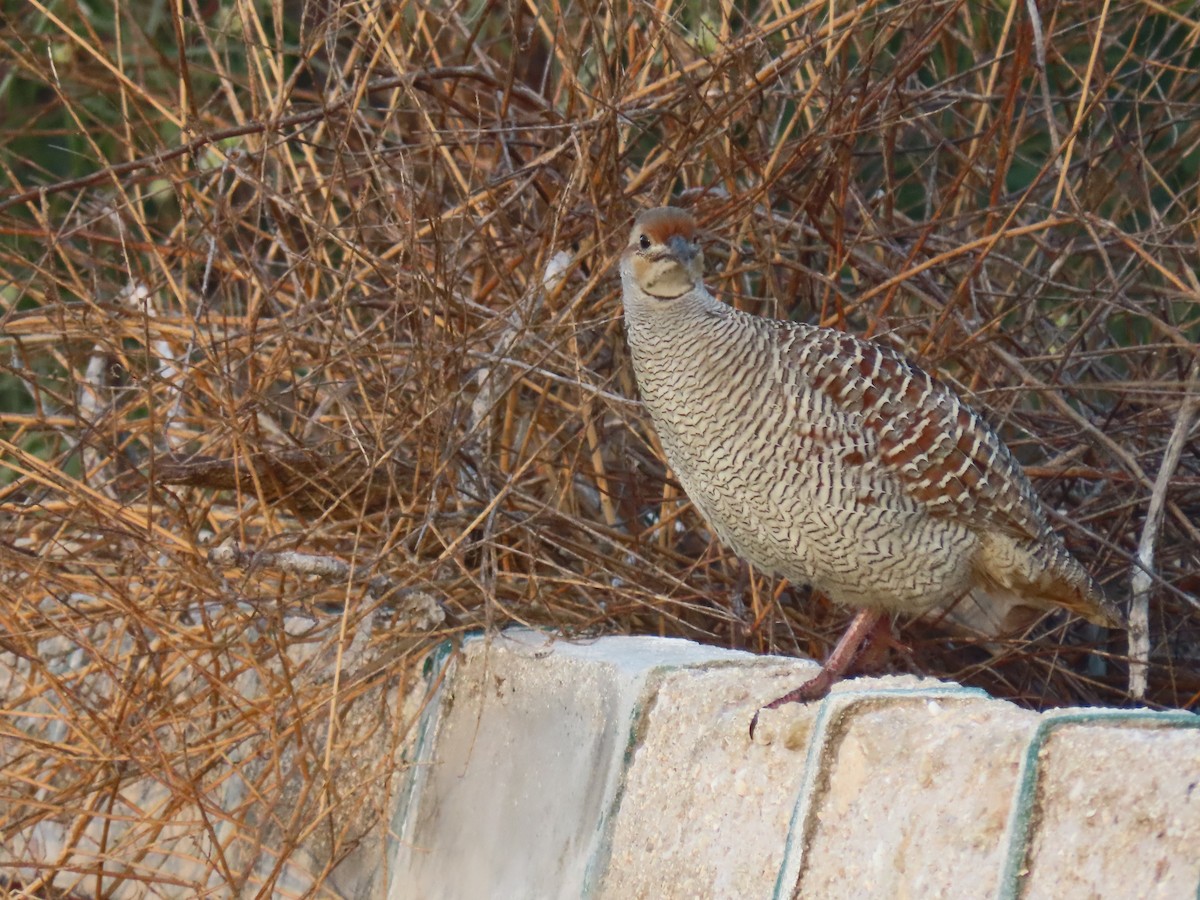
644,242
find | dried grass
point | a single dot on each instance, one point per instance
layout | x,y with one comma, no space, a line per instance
332,286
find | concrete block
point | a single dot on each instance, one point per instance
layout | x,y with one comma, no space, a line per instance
705,812
722,817
1114,808
915,798
528,759
622,768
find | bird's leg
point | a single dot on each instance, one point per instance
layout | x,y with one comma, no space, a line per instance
876,646
843,656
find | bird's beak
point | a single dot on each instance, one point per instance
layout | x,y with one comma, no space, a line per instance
681,248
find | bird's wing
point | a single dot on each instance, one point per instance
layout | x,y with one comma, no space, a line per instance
943,454
940,451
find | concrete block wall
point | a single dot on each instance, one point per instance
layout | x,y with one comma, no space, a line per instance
622,768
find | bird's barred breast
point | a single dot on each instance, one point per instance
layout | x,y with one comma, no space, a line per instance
786,474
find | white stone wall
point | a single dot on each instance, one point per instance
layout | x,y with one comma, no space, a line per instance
624,769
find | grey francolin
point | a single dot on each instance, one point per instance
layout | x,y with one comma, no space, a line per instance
835,462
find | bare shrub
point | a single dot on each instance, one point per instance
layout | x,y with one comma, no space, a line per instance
313,356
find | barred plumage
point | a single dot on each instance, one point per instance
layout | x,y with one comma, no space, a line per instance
835,461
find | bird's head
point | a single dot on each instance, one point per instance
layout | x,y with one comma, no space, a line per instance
663,257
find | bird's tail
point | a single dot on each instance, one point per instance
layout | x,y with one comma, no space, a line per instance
1017,582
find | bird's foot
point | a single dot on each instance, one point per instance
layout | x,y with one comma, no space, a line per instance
840,660
816,688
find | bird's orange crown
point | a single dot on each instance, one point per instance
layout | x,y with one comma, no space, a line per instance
665,222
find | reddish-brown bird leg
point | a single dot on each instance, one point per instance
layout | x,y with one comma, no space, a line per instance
877,647
842,657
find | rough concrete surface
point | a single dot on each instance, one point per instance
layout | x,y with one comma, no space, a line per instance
1118,814
917,799
704,811
529,760
622,768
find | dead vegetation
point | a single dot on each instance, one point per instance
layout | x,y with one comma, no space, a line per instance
330,286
